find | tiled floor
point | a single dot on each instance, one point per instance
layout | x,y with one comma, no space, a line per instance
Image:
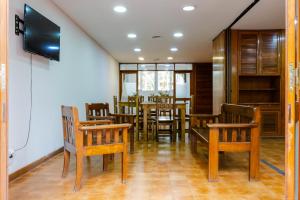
159,171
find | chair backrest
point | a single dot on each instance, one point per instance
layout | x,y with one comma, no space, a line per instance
165,99
115,104
238,114
70,124
152,98
232,113
164,109
96,109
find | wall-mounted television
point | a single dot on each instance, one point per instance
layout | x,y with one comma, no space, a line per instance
41,36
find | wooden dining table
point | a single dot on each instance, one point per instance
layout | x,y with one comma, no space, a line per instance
147,106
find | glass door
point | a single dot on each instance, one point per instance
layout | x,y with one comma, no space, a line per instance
128,84
183,89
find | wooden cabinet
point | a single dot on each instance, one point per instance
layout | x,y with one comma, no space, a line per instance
269,52
270,125
257,75
259,52
248,50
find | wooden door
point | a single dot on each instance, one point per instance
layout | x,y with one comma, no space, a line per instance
269,52
248,53
3,96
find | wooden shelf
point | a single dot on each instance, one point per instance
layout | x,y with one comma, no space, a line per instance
259,89
261,103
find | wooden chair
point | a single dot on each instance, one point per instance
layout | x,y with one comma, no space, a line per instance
97,110
164,117
100,111
78,140
237,129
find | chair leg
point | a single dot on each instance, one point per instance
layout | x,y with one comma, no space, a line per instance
105,161
124,167
79,169
66,163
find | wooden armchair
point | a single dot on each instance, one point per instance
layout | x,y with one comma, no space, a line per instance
100,111
78,139
236,129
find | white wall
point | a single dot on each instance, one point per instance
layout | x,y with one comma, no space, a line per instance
86,73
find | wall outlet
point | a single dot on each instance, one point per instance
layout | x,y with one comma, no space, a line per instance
11,153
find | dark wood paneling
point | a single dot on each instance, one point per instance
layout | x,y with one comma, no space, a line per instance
202,78
219,72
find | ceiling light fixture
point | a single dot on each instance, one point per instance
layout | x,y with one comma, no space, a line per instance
188,8
141,58
170,58
178,35
137,49
131,35
120,9
173,49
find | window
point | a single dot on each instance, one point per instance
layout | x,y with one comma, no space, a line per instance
146,80
165,81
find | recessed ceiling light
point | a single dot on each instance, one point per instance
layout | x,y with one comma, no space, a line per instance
170,58
137,49
131,35
178,35
188,8
120,9
173,49
141,58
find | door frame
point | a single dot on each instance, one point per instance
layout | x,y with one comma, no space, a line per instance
290,98
3,99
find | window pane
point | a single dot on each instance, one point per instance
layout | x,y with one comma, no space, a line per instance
146,66
165,67
146,80
128,67
165,81
183,85
128,85
183,67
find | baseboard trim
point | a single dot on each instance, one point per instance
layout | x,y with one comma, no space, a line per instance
33,165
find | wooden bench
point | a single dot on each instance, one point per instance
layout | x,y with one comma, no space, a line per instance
236,129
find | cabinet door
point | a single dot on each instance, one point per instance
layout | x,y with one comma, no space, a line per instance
269,51
270,123
248,52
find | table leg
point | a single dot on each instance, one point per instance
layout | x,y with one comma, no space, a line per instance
145,129
131,135
182,123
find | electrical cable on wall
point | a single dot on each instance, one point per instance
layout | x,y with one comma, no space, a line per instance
30,112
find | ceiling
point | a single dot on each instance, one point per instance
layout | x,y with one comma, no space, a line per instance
147,18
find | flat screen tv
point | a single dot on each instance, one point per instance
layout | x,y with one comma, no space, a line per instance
41,36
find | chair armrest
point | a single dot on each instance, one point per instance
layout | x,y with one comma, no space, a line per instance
227,125
95,122
101,118
101,127
203,115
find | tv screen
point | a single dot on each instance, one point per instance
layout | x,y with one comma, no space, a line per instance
41,36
